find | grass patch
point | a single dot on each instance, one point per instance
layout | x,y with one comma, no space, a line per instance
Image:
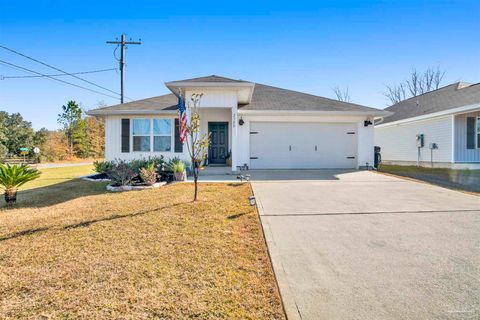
468,180
135,255
51,176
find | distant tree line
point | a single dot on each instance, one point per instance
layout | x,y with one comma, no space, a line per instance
80,137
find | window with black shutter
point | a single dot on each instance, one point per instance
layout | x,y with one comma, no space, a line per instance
470,133
125,135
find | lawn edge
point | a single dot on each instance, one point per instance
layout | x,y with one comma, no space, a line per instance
289,305
426,182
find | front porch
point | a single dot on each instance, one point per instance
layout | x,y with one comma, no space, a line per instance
218,123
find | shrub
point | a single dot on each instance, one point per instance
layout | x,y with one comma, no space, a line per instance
139,164
149,174
175,164
103,166
14,176
178,167
122,173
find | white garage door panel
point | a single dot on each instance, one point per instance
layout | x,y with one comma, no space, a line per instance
285,145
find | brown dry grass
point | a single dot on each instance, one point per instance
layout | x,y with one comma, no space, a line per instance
84,253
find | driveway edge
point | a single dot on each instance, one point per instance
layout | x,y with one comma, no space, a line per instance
289,304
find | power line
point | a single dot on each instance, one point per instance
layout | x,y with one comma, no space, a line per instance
50,77
122,43
50,66
56,75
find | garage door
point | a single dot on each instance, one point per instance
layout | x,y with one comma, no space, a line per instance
287,145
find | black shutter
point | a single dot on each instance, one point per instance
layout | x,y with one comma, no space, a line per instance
178,143
125,135
470,133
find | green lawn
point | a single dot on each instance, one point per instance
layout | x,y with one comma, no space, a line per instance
71,250
51,176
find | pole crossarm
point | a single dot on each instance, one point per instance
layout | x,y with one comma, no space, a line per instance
122,44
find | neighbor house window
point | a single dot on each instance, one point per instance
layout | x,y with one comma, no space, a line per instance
162,135
141,134
478,132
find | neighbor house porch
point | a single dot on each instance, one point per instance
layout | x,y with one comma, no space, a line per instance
466,137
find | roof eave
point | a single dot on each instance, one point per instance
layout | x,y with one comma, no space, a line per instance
185,84
128,112
459,110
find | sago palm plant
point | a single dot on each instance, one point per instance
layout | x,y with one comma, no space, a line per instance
14,176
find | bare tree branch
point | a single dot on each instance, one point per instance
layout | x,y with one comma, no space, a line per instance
342,95
414,84
395,93
437,80
417,84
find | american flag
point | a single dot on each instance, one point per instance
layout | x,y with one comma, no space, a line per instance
183,122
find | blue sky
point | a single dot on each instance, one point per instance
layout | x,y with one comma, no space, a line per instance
309,46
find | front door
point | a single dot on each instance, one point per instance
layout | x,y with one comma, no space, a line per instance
218,150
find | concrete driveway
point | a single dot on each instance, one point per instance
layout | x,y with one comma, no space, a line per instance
361,245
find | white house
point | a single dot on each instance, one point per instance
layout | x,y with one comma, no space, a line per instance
261,126
449,121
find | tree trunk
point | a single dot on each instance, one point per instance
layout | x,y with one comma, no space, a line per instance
195,179
10,196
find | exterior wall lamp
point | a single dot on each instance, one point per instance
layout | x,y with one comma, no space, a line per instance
241,122
366,123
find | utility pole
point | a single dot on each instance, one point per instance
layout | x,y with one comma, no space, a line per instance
122,44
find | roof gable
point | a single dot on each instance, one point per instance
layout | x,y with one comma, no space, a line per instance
212,78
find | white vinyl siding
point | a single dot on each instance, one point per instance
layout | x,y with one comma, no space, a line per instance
215,98
113,129
398,143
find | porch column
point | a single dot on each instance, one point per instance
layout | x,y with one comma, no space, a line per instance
234,138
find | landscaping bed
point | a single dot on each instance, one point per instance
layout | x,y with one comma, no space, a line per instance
73,250
468,180
139,174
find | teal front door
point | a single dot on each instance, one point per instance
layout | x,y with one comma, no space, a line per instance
218,150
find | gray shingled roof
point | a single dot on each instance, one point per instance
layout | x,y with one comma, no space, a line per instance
273,98
264,98
449,97
160,103
212,78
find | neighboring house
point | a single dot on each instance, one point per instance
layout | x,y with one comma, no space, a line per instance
448,117
261,126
